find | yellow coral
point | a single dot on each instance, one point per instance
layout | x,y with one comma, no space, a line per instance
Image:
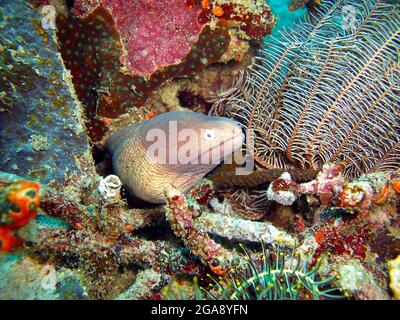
394,275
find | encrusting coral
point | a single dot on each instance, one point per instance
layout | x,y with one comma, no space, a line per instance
110,77
152,45
39,111
18,206
243,230
394,274
297,4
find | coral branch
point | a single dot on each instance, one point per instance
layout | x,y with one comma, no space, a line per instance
243,230
180,215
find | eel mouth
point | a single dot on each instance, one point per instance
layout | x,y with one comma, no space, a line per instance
192,172
201,169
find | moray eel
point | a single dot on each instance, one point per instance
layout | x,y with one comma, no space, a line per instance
171,151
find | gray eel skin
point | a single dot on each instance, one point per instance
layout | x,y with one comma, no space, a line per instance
171,151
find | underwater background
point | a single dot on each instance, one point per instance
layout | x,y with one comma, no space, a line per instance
313,86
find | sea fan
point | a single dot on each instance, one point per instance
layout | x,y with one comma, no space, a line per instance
327,93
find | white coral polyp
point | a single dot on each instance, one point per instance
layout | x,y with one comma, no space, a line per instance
110,186
283,197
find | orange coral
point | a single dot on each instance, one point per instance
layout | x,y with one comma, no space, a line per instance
218,270
150,116
396,186
382,196
128,228
7,239
356,196
319,236
23,199
218,11
350,196
19,203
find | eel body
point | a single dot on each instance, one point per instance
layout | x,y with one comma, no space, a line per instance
171,151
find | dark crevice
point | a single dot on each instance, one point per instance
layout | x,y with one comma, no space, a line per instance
195,102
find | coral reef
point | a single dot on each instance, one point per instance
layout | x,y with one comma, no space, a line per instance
108,74
318,218
294,124
297,4
95,244
25,279
354,279
105,90
150,46
277,275
394,274
18,206
243,230
180,212
293,121
254,18
49,142
146,283
99,259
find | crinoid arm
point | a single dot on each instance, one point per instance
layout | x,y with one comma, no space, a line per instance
327,92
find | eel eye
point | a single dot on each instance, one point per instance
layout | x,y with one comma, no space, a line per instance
209,135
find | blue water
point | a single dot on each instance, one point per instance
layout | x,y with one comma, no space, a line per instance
285,18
